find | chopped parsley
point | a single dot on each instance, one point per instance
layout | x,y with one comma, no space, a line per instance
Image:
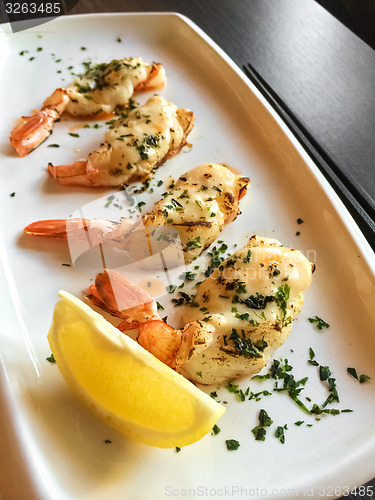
215,430
245,346
12,195
51,359
259,433
280,371
282,296
140,205
232,444
247,258
319,323
279,433
195,243
73,134
258,301
300,221
362,378
264,421
53,146
216,258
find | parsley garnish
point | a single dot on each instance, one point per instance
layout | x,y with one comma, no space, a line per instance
279,433
247,258
216,430
320,323
259,433
264,419
51,359
362,378
216,258
232,444
245,346
282,296
195,243
140,205
258,301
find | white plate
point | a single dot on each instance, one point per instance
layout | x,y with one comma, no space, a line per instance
51,446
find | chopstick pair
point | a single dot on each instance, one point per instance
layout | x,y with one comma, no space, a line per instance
360,209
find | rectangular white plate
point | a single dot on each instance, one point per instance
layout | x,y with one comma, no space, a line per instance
51,446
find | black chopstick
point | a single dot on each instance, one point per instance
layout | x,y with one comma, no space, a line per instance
360,209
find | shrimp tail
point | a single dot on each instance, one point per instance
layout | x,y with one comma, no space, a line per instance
71,174
53,228
33,130
113,293
94,230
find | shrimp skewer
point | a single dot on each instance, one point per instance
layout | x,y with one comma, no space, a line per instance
101,89
200,204
136,144
219,342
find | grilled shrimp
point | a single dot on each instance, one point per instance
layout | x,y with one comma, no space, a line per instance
248,306
202,201
101,89
137,143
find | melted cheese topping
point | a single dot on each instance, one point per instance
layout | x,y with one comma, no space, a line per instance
255,294
138,142
199,205
105,86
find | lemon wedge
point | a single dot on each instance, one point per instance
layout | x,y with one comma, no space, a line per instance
123,384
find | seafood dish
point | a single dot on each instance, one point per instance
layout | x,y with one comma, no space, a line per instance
102,89
138,142
198,206
238,317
